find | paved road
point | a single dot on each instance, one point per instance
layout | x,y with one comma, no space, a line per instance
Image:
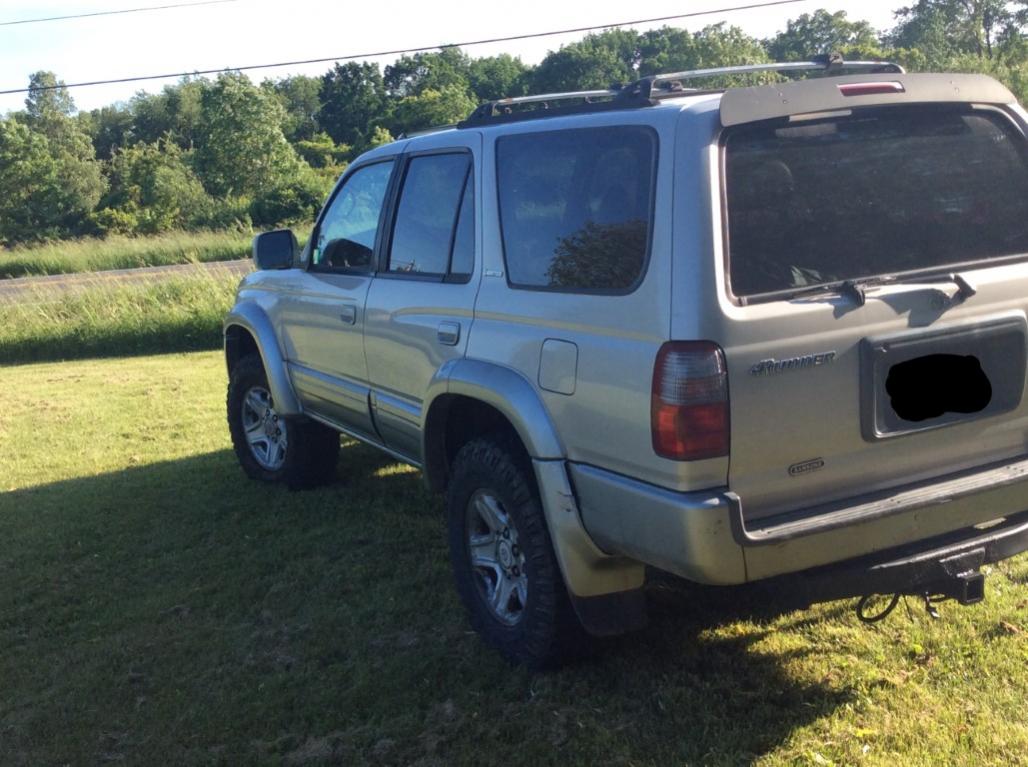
29,288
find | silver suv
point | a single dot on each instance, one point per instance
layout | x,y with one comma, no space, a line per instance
734,334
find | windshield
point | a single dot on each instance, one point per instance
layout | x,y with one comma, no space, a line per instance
853,196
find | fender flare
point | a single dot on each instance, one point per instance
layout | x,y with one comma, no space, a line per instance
502,388
254,320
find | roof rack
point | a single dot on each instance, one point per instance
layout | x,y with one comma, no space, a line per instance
505,110
831,64
647,90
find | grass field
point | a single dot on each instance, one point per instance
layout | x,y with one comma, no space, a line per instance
112,318
159,608
116,252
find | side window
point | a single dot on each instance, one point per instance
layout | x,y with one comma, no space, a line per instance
346,236
426,217
576,207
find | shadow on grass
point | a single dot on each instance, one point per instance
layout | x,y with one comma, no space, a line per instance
192,335
179,612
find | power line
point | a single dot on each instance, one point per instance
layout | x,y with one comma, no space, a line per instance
113,13
400,51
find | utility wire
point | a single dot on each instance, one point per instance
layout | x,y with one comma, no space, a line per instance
113,13
399,51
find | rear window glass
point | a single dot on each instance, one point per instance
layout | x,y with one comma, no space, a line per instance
427,213
575,207
869,194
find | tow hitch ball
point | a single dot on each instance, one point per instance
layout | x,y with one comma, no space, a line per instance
967,588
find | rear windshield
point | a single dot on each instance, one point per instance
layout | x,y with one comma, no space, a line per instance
894,190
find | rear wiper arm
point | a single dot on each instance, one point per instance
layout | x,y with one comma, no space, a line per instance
965,289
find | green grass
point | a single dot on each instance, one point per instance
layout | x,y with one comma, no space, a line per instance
113,319
159,608
117,252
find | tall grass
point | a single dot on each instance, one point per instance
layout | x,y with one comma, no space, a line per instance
113,319
117,252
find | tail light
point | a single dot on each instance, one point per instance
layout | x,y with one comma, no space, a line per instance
690,401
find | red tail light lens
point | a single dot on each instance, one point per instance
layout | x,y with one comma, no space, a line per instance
690,401
870,89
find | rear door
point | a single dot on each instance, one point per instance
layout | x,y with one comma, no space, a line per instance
420,305
833,393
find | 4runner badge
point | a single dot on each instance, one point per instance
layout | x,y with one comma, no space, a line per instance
806,467
773,367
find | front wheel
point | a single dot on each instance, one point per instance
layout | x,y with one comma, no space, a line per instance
269,446
506,573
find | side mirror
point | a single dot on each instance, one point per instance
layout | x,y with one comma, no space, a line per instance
274,250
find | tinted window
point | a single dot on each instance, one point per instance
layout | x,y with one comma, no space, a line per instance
873,193
576,207
346,236
463,261
427,213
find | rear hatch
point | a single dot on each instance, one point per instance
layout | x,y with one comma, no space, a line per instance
876,269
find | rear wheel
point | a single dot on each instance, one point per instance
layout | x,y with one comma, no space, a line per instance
506,573
269,446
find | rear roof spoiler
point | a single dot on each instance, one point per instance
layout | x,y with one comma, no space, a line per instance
828,94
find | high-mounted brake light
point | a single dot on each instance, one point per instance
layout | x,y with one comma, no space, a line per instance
870,89
689,408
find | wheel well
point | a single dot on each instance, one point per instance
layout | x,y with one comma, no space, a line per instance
239,343
453,421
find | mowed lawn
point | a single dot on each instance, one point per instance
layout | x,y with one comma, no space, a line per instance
157,607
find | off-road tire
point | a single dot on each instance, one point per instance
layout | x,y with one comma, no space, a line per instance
312,449
548,629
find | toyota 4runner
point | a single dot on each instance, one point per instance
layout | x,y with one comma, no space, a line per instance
775,331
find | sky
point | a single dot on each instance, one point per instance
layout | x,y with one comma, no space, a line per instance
242,32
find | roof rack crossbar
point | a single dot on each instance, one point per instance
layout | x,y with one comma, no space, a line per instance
818,64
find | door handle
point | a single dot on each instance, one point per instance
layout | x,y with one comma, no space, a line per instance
448,333
348,314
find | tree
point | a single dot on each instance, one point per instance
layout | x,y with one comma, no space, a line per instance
947,28
353,102
153,189
413,75
30,187
300,97
676,50
432,108
48,114
240,148
173,113
109,127
495,77
48,99
597,61
819,33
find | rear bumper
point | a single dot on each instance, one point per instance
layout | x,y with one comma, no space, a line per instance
703,536
947,565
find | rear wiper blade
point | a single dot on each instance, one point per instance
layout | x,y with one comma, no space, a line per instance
856,289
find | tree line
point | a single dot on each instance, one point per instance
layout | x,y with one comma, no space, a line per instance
227,152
